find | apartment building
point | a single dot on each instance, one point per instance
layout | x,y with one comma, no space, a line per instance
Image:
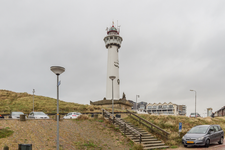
166,109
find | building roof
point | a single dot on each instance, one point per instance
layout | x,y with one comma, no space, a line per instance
112,29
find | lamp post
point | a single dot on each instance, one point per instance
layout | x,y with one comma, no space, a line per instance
57,70
137,96
112,78
195,101
33,99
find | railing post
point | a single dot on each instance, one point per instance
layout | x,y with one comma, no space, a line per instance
113,119
103,114
140,138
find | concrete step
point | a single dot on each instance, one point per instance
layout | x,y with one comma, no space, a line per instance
144,140
146,137
143,136
147,141
151,142
155,147
151,145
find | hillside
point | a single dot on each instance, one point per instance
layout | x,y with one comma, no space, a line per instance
74,134
171,124
12,101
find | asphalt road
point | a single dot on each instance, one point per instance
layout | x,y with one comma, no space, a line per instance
214,146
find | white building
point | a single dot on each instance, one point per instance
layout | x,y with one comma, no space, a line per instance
112,43
166,109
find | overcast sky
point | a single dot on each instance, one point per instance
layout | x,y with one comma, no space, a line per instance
168,48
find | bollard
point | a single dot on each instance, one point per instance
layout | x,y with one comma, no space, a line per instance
118,116
6,148
92,115
25,146
22,117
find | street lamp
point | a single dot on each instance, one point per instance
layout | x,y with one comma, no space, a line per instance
195,101
57,70
112,78
137,96
33,99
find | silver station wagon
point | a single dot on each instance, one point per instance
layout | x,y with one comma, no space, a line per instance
203,135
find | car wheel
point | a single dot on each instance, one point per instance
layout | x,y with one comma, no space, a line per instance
185,145
207,143
70,117
221,140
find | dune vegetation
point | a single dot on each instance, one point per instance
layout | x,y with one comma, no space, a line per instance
12,101
171,124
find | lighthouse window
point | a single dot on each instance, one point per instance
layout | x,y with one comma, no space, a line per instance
111,37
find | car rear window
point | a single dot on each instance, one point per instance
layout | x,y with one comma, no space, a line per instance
219,128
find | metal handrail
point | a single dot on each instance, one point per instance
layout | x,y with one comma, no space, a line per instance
147,123
126,127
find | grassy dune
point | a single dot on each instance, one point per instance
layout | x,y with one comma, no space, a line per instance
77,134
12,101
171,124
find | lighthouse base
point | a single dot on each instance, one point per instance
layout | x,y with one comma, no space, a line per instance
119,104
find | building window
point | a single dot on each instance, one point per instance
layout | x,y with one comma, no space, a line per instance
115,37
149,107
164,106
111,37
160,106
170,106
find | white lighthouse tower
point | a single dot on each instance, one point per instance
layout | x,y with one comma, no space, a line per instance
112,43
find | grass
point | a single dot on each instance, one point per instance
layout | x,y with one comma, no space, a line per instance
12,101
171,124
5,133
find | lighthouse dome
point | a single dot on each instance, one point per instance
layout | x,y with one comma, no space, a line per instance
112,29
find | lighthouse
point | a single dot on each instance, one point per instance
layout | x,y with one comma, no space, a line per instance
113,43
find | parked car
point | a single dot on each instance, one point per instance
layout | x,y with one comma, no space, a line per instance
16,114
193,115
38,115
203,135
72,115
1,116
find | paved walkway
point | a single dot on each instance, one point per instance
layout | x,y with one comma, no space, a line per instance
211,147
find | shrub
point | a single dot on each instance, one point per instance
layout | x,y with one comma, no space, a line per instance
138,147
82,117
5,133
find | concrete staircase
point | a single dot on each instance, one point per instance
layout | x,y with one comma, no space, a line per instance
148,141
